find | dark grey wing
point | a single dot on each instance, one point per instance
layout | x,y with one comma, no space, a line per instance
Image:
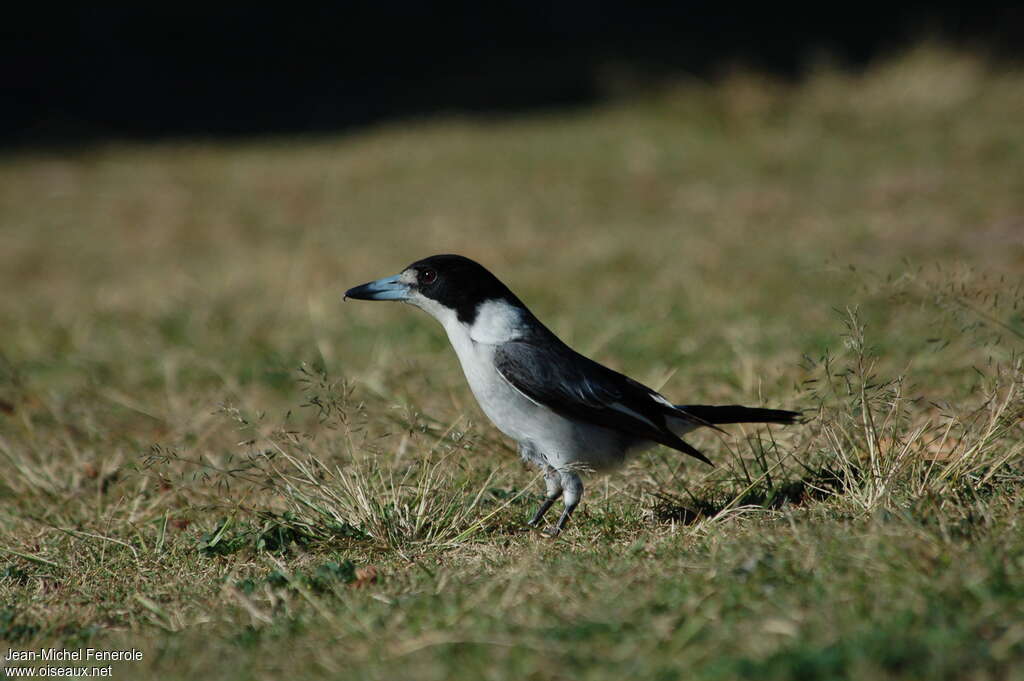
573,386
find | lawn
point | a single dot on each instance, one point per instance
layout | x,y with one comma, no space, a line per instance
212,459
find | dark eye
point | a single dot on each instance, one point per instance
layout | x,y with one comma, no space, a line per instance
428,276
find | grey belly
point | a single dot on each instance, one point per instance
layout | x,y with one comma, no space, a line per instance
553,439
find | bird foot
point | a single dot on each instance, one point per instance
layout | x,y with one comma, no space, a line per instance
551,531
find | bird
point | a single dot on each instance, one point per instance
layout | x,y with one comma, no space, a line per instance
568,414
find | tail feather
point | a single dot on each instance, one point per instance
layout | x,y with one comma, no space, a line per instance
734,413
686,447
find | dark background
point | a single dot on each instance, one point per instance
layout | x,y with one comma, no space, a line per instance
78,75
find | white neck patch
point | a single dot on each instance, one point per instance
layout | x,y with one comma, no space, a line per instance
496,322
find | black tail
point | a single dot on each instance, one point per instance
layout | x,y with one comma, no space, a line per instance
734,413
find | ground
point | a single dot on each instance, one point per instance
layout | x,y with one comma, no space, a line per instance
210,458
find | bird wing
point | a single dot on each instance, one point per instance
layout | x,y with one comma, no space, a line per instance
573,386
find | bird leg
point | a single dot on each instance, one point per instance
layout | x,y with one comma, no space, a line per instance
572,492
553,482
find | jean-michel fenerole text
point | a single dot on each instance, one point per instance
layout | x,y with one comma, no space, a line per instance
72,655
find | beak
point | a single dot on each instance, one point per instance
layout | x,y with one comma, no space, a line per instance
388,288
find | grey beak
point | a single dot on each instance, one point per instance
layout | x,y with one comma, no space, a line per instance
388,288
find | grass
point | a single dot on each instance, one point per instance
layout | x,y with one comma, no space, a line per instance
208,457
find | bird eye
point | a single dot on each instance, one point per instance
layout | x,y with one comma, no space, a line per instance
428,276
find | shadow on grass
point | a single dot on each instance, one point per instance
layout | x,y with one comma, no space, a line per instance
815,486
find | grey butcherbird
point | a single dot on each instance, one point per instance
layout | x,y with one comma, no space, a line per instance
567,412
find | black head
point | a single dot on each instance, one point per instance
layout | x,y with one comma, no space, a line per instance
452,281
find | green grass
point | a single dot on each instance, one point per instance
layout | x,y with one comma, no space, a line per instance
207,456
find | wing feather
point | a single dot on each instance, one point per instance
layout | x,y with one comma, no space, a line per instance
576,387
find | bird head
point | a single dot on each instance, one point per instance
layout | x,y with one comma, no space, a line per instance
441,285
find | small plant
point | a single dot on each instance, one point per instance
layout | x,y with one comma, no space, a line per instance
334,481
889,445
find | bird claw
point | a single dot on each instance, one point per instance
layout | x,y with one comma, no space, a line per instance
551,531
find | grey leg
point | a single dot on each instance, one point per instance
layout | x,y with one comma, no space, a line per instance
553,483
572,488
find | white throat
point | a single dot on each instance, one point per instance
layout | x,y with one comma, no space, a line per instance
496,321
475,344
